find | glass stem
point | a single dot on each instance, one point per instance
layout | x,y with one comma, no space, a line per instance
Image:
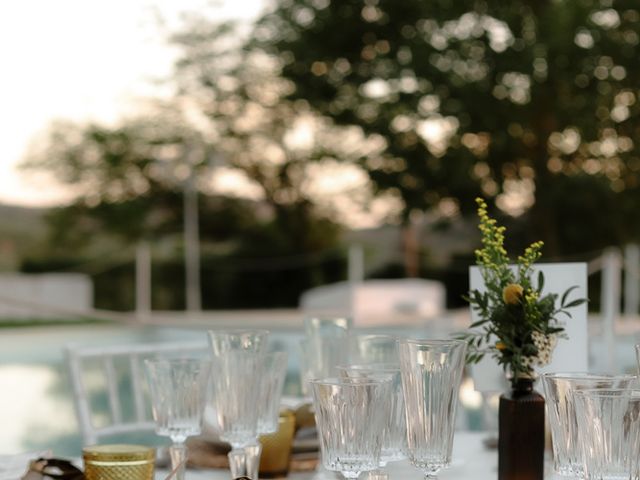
378,474
237,462
252,461
350,474
178,453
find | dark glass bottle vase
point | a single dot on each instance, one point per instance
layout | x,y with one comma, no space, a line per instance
521,434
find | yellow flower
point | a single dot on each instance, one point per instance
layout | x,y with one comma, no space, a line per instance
500,346
512,293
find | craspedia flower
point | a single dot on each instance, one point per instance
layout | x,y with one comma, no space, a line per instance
512,293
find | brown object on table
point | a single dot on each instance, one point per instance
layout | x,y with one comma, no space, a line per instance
276,447
521,436
52,468
205,453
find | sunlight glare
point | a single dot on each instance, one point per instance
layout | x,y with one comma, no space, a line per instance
26,405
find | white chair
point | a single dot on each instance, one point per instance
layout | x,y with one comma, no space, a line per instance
107,366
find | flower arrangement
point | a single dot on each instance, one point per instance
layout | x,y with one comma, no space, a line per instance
517,324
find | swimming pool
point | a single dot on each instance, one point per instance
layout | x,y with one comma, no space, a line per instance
36,406
36,401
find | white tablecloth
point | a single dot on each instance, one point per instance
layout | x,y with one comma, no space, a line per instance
471,460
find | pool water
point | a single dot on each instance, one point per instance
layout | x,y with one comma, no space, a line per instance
36,401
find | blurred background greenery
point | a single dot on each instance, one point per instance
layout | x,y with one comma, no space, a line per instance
327,123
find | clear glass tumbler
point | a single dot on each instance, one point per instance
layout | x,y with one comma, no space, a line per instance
325,346
178,395
431,375
609,432
374,348
394,446
558,389
350,417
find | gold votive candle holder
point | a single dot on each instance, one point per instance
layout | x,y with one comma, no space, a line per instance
118,462
276,447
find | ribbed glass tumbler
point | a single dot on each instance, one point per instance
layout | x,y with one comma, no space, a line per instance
350,417
431,375
394,446
609,432
558,389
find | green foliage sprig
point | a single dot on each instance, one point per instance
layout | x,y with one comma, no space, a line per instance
517,325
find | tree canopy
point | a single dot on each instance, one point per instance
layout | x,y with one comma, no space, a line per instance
511,100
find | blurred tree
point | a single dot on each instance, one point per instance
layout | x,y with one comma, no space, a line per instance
127,178
295,162
521,101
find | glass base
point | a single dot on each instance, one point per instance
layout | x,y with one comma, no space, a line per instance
350,474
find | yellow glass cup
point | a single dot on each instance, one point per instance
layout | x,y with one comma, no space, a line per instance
118,462
276,447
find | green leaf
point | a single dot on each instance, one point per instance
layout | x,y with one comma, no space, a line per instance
566,295
575,303
540,281
478,323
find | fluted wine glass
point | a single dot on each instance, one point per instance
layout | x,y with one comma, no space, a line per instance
237,362
178,388
274,370
350,417
431,375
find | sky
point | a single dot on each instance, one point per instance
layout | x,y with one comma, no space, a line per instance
78,60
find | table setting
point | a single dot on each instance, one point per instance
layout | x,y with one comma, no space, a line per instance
380,406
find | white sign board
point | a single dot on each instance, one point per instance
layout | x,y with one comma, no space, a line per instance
570,355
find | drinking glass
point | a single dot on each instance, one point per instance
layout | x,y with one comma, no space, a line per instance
350,416
325,346
609,432
274,369
374,348
431,375
327,326
559,388
272,382
394,444
178,394
237,360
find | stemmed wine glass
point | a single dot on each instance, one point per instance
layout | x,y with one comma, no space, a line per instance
237,360
274,369
431,376
350,417
178,389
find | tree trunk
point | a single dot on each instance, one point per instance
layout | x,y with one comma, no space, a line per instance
410,250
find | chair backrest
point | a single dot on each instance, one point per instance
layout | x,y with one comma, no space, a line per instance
111,368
